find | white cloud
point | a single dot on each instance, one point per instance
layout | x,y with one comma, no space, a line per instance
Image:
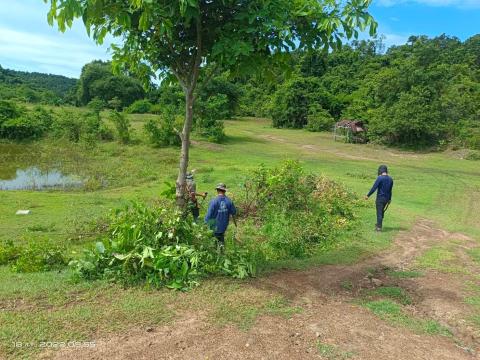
452,3
28,43
57,53
394,39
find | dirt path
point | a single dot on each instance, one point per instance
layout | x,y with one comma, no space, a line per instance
330,317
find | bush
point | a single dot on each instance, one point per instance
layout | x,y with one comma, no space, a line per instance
163,132
8,110
212,130
140,107
297,212
161,247
294,98
97,105
319,119
8,252
209,115
122,124
69,125
28,125
37,255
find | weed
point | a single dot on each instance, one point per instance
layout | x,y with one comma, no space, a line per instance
347,285
393,313
404,274
394,293
332,352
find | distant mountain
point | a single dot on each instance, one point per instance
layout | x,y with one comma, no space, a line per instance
59,85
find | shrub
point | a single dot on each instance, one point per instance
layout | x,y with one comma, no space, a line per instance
122,124
140,107
297,212
8,110
294,98
319,119
161,247
209,114
163,132
97,105
29,125
37,255
212,130
69,125
8,252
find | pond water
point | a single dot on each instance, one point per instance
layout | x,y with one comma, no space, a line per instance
32,178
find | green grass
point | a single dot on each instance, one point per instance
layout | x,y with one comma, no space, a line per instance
441,258
393,313
404,274
332,352
436,185
475,254
394,293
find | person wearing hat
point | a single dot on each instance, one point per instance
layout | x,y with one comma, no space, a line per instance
383,186
218,214
191,192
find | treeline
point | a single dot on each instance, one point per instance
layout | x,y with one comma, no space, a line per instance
97,81
423,93
36,87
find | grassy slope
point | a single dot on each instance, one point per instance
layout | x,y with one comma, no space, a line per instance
49,306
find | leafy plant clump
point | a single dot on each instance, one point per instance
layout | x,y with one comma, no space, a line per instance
297,212
160,247
35,256
140,107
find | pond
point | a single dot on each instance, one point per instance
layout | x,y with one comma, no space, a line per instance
22,167
33,178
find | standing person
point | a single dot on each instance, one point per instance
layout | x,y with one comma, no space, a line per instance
383,186
192,194
218,214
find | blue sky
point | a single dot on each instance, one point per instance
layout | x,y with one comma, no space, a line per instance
28,43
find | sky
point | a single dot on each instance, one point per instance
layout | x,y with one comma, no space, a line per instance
28,43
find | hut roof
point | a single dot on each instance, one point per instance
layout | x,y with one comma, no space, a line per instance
355,125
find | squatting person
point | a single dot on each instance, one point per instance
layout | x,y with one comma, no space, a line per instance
383,186
218,214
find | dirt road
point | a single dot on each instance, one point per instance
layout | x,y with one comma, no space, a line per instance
333,324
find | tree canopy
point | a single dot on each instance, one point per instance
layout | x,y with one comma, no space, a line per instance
98,81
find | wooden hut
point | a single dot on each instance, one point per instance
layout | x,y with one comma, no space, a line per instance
351,131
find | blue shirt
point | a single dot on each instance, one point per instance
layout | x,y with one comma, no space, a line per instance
383,185
218,214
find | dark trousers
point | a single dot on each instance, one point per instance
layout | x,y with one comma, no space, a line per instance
220,238
381,203
195,213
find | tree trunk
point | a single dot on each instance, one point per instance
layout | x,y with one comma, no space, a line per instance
184,154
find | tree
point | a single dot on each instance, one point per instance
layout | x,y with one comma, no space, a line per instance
98,81
181,37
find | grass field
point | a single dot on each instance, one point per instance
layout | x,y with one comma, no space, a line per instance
51,307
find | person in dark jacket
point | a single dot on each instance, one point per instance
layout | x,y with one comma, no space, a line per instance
218,215
383,186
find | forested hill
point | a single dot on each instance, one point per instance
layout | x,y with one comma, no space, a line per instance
33,86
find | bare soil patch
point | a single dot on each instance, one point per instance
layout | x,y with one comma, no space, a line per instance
331,315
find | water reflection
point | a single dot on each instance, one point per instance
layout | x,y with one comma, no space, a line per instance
33,178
